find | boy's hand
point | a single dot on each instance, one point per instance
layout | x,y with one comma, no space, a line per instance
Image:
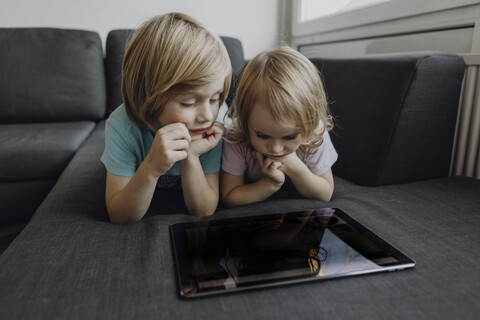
208,141
270,169
170,145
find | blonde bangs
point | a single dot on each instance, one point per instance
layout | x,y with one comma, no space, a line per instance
169,54
290,85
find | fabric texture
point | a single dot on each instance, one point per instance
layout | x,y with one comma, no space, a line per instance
127,145
115,47
235,51
51,75
33,151
75,264
20,199
395,115
52,91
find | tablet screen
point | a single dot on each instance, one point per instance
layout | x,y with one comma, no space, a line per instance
226,255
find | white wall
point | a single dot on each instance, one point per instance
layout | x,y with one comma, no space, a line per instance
255,23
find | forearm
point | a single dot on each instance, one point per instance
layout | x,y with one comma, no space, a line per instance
250,193
311,186
132,202
201,197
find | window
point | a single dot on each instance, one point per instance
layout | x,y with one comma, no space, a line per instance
313,9
320,16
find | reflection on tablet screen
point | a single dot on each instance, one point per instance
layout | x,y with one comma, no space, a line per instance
231,254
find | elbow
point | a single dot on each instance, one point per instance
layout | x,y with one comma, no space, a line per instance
121,220
119,217
328,195
228,200
324,195
202,213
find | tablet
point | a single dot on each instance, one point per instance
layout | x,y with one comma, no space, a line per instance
227,255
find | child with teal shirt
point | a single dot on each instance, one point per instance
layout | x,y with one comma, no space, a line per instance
175,76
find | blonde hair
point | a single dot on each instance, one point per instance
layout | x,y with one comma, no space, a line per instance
290,85
167,55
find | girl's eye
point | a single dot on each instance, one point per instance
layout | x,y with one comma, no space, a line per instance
187,104
262,136
290,137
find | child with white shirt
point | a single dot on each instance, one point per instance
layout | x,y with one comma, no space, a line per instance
279,131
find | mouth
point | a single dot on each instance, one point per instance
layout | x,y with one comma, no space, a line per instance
274,156
200,131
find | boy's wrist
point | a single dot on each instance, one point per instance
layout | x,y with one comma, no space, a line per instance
148,170
191,158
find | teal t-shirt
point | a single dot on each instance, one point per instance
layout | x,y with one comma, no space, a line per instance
127,145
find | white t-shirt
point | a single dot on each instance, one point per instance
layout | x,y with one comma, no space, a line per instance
238,160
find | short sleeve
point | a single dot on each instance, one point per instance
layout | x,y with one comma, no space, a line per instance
211,160
233,159
323,158
124,144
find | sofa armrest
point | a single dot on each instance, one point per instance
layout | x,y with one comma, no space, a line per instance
395,115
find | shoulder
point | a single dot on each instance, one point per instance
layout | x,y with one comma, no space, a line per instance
239,149
119,119
119,124
321,158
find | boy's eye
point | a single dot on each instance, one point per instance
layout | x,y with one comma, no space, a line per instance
215,98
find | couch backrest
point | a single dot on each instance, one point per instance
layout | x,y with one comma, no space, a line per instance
395,115
49,75
117,41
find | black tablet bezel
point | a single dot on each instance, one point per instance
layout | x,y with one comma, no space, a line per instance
183,263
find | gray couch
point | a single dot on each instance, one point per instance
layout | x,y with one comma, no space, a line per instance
395,118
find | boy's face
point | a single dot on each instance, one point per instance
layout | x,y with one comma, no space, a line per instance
197,109
273,139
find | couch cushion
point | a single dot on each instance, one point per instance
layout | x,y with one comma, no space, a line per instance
39,150
395,115
117,41
49,75
70,255
116,45
70,262
235,51
20,199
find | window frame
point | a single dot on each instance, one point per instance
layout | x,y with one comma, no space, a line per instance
373,14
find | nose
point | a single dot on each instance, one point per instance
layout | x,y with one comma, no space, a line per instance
275,147
204,112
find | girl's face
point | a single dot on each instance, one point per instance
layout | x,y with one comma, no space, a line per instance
197,109
273,139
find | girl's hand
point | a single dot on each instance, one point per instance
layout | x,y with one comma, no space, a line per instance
170,145
290,163
208,141
270,169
